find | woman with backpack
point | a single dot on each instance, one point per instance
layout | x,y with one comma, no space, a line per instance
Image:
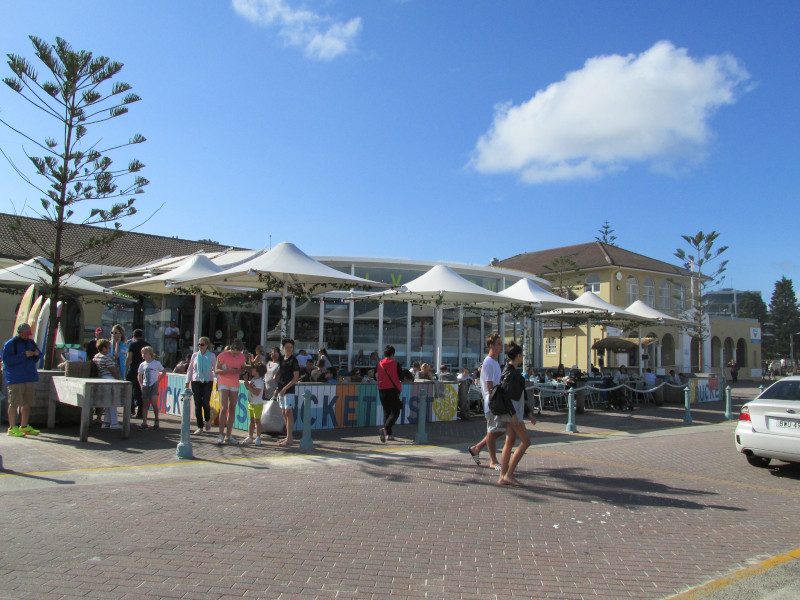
513,407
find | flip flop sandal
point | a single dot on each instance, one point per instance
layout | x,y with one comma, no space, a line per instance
473,455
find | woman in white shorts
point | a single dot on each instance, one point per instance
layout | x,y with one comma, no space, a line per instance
228,367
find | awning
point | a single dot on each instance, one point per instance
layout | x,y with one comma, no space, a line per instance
621,344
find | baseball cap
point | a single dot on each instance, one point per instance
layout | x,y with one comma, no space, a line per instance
99,330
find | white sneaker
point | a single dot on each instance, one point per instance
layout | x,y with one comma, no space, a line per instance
198,431
220,440
115,426
231,440
247,440
258,441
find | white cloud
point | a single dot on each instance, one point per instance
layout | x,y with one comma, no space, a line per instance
320,37
616,110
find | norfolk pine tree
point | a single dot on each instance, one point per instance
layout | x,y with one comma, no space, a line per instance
702,252
80,95
784,317
607,235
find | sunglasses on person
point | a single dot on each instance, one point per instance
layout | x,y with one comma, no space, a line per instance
202,344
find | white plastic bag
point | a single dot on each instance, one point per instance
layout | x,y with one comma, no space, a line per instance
272,417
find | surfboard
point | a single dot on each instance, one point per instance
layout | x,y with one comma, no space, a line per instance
24,308
40,330
59,331
33,314
59,342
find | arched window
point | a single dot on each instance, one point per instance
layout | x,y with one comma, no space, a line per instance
592,283
632,288
667,351
716,351
664,295
680,297
649,292
741,353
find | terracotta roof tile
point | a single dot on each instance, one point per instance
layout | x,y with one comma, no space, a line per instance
130,250
589,256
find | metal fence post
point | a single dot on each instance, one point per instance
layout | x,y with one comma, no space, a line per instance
422,415
571,426
185,445
687,415
306,443
728,413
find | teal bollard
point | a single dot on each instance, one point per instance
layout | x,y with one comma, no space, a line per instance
422,416
571,426
687,415
728,413
185,445
306,443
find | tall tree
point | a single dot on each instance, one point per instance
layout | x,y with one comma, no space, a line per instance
72,168
564,273
784,317
750,305
701,253
607,235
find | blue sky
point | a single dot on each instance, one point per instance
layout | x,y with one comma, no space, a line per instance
448,130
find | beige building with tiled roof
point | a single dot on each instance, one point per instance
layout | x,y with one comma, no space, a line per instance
621,277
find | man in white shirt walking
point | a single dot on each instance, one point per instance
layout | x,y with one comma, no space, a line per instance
490,377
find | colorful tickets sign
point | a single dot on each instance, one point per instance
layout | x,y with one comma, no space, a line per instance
705,390
334,405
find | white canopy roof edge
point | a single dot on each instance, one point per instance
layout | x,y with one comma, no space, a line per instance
31,272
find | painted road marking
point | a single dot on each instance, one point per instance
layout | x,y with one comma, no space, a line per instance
722,582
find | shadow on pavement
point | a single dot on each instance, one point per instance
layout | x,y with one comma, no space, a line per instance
629,492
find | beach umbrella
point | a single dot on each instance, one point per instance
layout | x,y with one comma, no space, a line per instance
195,266
284,268
594,309
650,315
528,294
32,272
442,286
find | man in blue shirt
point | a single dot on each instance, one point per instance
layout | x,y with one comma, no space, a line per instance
20,357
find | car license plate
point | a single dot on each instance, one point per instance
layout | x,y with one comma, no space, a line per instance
786,424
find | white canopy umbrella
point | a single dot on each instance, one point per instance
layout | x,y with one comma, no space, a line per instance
193,267
650,314
526,292
32,272
442,286
596,310
285,267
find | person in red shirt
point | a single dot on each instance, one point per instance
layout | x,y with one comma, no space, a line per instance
389,387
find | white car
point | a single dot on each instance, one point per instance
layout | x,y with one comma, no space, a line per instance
769,426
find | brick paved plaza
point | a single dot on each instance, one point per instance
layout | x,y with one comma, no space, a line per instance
635,505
